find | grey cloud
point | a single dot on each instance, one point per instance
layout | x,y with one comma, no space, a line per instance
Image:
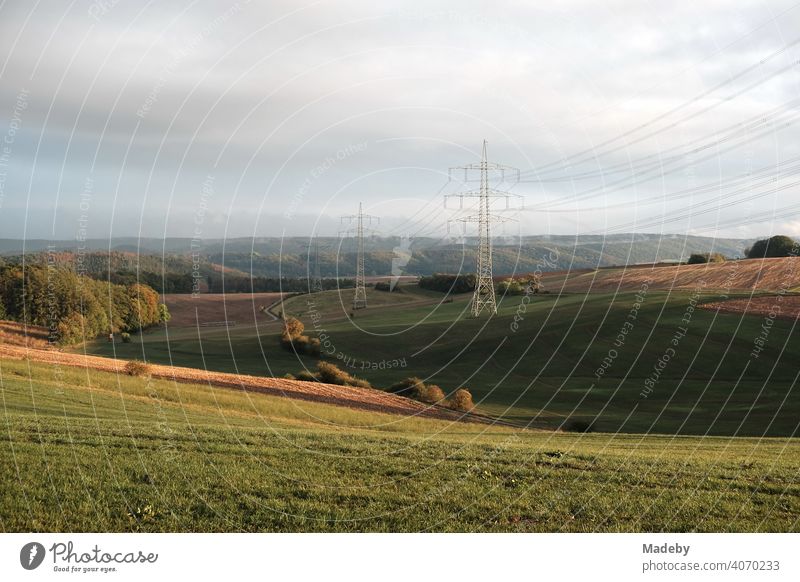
161,93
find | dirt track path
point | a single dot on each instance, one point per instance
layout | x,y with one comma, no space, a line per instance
351,397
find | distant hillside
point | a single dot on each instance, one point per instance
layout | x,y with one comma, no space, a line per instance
429,256
290,257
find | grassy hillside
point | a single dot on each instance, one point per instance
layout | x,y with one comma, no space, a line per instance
542,368
89,451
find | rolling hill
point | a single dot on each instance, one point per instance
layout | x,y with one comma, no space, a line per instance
556,360
96,451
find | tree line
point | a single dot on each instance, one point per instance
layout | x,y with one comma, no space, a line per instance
448,283
170,273
775,246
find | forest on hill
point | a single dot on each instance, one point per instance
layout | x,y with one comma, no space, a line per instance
285,265
75,307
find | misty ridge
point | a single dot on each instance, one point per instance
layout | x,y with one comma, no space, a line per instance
295,256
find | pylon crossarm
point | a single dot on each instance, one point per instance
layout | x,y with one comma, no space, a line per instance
492,217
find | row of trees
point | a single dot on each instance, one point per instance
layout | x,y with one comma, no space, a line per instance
702,258
772,247
171,273
415,388
329,374
246,284
449,283
466,284
75,307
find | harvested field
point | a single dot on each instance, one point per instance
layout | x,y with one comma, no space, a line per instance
16,334
243,308
786,306
356,398
744,275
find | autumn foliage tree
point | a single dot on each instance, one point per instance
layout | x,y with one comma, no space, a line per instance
293,339
74,307
461,400
417,389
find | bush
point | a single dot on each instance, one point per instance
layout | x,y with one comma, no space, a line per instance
701,258
510,287
359,382
137,368
126,337
697,259
292,338
716,258
776,246
332,374
416,389
293,327
461,400
409,387
382,286
432,394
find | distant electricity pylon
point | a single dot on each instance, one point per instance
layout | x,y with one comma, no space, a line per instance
316,280
360,295
484,297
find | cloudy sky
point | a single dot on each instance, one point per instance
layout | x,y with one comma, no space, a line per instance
214,119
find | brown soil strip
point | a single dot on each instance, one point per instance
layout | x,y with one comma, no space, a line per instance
785,307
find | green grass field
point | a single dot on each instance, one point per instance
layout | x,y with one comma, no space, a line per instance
541,369
91,451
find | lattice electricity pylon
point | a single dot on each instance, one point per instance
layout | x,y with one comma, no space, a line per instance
484,296
360,295
316,280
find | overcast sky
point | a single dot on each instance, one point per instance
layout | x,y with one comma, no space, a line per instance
215,119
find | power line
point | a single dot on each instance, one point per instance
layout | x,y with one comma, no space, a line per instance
765,175
593,151
643,177
772,119
697,209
